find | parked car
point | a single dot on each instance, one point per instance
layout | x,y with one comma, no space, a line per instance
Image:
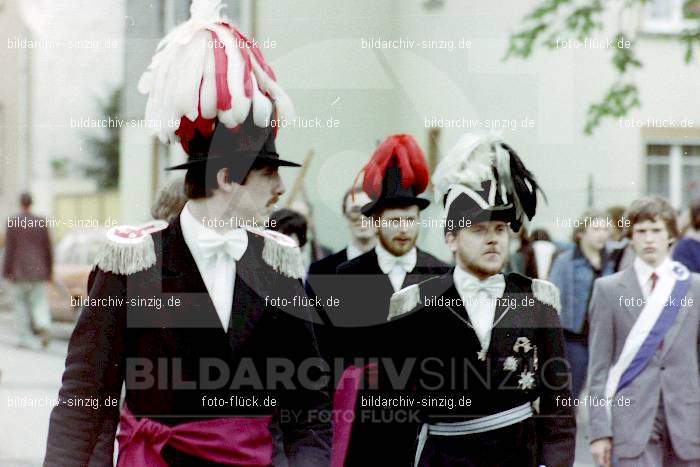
74,258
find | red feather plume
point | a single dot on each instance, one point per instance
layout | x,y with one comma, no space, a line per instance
397,150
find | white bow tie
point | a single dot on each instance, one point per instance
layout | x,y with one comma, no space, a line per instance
388,263
494,286
233,244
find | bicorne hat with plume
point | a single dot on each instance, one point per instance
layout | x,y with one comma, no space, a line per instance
483,179
210,89
395,175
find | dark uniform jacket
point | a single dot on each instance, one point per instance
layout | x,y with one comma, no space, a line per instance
321,273
329,264
524,363
361,334
170,356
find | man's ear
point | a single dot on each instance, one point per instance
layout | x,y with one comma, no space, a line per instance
451,241
222,180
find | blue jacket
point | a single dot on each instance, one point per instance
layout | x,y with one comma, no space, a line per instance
573,275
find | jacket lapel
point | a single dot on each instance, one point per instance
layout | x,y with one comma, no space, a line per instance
420,271
181,277
371,265
632,292
248,305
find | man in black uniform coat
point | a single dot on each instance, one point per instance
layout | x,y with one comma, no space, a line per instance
362,236
203,321
368,281
485,350
321,280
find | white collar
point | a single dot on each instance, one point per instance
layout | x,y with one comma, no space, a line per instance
352,251
460,275
191,229
644,271
387,261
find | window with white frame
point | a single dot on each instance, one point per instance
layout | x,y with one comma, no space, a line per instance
673,171
669,16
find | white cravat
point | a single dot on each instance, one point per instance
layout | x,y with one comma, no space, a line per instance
396,267
215,255
479,299
644,272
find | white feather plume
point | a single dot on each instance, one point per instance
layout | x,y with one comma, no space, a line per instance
207,91
262,107
283,104
468,163
181,78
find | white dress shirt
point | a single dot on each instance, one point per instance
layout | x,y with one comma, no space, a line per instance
644,272
479,299
395,267
217,267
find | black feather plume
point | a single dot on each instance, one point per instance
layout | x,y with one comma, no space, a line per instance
526,187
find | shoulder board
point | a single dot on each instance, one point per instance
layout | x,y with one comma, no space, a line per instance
404,301
282,253
129,249
547,293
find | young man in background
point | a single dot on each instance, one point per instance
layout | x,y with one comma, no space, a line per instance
643,373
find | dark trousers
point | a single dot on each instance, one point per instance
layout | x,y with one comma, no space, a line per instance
512,446
577,356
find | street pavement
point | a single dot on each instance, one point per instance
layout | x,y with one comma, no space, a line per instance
29,386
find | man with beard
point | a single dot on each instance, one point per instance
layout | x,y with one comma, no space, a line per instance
486,351
187,315
394,177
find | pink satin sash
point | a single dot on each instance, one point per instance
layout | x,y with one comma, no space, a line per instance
229,441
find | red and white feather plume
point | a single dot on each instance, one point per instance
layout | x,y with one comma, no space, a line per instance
403,151
206,69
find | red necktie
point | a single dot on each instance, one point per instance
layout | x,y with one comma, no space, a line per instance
654,280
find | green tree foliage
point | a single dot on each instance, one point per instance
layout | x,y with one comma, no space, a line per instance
560,20
104,150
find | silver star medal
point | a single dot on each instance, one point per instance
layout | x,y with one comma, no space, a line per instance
526,381
522,342
510,364
481,355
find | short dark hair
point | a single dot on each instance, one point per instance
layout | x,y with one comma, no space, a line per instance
200,180
289,222
352,191
695,214
653,208
25,200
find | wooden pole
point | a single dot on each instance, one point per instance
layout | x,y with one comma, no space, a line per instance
299,181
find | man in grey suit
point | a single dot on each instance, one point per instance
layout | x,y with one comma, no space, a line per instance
643,374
